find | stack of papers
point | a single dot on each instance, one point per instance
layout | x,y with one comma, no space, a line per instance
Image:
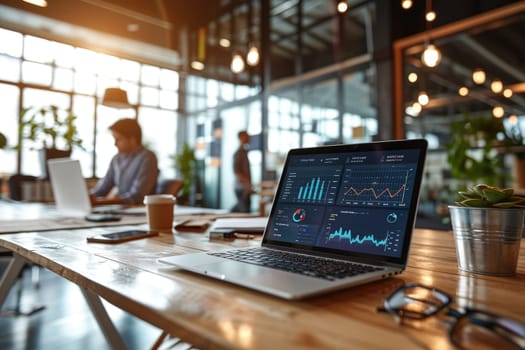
248,225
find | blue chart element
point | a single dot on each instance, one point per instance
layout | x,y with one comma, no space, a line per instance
299,215
347,234
313,190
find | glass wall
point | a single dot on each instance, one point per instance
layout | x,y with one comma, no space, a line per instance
37,73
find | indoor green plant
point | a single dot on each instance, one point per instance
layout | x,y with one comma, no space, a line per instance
515,144
51,130
472,150
3,141
488,224
186,165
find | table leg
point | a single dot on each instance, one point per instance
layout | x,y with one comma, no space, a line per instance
104,321
10,275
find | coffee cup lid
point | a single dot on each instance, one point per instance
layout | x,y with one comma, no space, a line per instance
159,199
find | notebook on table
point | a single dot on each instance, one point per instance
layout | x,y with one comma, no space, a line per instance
342,216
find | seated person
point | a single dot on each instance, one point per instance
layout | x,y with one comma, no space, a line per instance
133,171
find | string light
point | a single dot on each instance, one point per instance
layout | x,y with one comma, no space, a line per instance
342,6
498,112
463,91
513,119
412,77
507,93
431,57
423,98
237,64
224,42
197,65
406,4
496,86
252,57
430,16
479,76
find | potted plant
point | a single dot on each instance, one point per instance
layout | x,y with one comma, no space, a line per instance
516,145
472,151
186,165
52,130
3,141
488,225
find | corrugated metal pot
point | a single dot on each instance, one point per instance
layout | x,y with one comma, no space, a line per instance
487,239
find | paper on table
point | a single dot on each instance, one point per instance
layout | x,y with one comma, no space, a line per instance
252,224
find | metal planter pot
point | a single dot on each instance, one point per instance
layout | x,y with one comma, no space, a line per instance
487,239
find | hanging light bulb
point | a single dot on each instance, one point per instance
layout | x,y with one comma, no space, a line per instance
498,112
412,77
423,98
478,76
496,86
224,42
342,6
507,93
252,57
406,4
431,56
463,91
430,16
197,65
237,64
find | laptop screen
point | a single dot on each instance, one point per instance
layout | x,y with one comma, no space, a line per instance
356,200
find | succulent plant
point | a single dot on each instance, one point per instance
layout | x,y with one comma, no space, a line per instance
485,196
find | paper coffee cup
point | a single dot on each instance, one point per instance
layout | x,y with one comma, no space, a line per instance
159,209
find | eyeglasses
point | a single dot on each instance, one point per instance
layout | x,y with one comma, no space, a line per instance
471,328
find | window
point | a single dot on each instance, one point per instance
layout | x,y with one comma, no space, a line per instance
74,78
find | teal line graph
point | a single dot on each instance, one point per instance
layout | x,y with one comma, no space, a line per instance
347,234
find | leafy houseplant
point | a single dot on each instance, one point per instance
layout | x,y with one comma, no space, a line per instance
47,125
3,141
186,164
488,224
515,143
471,151
51,130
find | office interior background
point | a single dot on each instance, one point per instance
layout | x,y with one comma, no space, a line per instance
294,73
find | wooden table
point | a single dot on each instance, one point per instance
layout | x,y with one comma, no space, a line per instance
214,314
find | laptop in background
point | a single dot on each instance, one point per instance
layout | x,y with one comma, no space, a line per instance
342,216
70,190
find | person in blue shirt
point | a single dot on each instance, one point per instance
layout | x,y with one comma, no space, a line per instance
133,171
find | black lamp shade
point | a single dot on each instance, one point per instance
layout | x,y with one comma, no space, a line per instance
116,98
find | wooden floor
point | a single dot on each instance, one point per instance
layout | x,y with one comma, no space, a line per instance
66,321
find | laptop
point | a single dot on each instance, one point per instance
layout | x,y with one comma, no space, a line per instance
342,216
70,190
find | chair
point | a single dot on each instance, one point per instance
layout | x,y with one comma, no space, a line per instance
170,186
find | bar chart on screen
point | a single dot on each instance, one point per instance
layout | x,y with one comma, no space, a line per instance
312,185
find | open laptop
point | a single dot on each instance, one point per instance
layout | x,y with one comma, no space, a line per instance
70,190
342,216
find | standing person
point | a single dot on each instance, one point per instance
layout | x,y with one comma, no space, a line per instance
133,171
243,179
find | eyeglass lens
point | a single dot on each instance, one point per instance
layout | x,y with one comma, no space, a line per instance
416,301
482,330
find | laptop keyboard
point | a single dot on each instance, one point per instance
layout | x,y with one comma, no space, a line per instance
302,264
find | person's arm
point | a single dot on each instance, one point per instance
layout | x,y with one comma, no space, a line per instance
144,181
106,184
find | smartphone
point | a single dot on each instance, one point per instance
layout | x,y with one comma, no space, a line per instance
122,236
102,217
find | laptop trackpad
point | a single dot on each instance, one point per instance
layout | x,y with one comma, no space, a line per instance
259,277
